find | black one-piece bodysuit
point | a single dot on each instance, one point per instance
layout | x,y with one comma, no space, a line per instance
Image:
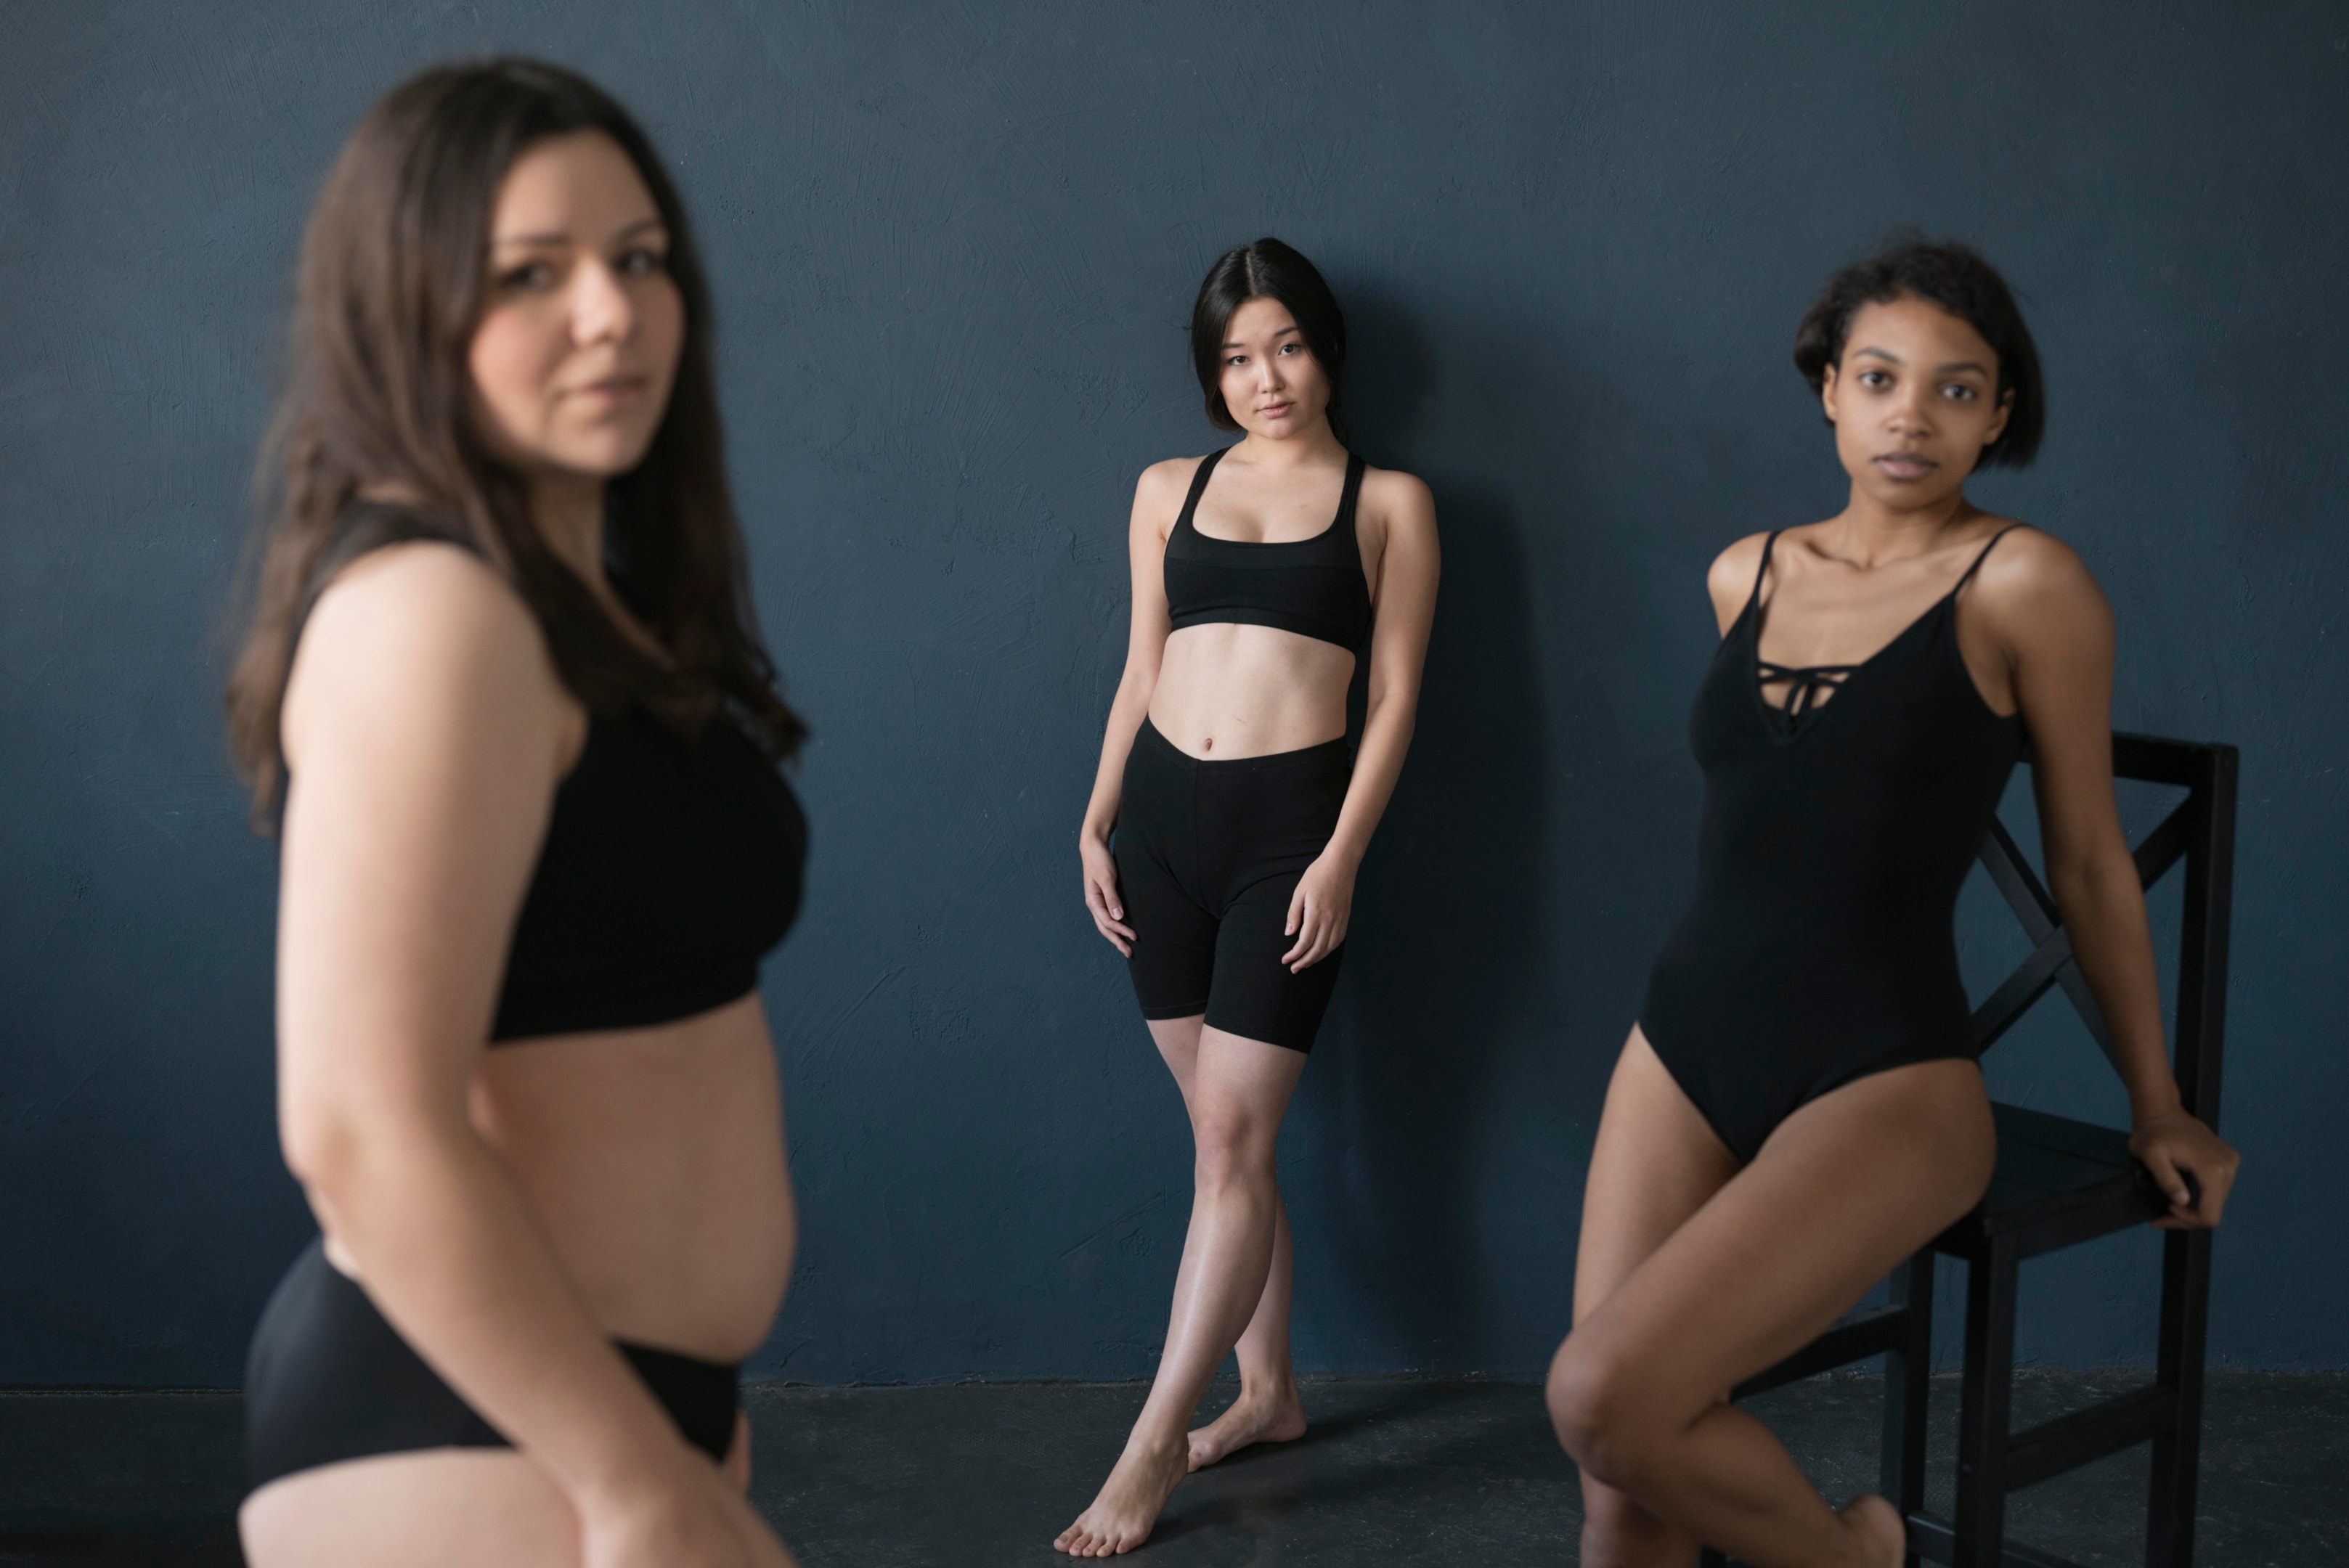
1819,947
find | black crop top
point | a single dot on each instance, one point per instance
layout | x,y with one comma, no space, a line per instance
671,865
1314,587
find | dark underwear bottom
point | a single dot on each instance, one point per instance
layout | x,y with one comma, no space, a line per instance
330,1379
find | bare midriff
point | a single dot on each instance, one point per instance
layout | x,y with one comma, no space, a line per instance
1228,691
654,1160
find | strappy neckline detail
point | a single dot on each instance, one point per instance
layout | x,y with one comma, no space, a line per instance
1807,683
1347,499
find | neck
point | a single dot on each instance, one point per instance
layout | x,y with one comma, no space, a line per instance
1310,446
1867,532
569,511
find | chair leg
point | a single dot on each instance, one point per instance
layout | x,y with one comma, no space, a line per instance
1908,1387
2178,1453
1983,1411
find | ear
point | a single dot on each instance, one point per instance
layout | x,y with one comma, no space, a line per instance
1998,420
1827,392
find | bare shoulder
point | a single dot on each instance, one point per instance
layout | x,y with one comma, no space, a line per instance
1158,494
1730,578
2033,583
423,625
1397,499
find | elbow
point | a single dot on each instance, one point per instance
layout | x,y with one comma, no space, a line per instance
325,1144
334,1145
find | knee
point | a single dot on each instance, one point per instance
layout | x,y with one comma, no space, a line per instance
1233,1144
1602,1419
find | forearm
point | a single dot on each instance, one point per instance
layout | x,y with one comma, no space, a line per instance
1126,712
451,1252
2103,907
1387,725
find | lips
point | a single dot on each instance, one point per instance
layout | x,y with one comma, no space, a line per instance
1905,465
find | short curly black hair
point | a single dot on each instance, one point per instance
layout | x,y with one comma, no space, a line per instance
1956,278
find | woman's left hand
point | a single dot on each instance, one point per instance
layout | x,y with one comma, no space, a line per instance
2175,1145
1319,911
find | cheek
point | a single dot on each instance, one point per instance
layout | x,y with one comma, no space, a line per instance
509,360
662,326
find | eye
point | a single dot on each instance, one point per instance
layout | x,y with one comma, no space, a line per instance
1237,359
641,262
530,276
1290,347
1958,392
1874,380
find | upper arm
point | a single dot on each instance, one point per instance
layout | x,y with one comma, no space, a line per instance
1158,500
1410,564
2055,629
425,732
1731,579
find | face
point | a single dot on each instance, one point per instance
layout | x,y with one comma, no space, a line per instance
578,339
1271,382
1914,401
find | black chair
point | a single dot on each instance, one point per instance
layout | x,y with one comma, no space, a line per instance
2061,1183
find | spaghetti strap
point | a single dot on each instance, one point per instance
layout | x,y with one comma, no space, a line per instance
1198,488
1984,555
1754,598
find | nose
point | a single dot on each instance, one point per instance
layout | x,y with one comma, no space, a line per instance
1912,409
601,309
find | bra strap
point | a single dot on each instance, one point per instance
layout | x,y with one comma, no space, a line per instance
1353,492
1198,488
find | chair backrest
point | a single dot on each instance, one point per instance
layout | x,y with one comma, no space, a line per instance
2201,832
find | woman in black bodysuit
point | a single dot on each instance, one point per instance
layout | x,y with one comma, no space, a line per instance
503,684
1259,572
1798,1107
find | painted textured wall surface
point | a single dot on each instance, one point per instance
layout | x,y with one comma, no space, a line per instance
954,247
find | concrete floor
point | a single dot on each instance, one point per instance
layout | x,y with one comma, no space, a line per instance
1405,1471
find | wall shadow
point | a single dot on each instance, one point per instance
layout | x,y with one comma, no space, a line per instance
1445,951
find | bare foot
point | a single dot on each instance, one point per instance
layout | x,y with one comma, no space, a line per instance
1276,1417
1881,1537
1122,1517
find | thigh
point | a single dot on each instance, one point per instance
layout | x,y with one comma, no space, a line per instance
1656,1163
1254,995
1240,1091
1174,959
453,1506
1844,1189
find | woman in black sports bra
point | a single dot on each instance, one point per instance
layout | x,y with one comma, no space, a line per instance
1799,1108
1239,819
504,692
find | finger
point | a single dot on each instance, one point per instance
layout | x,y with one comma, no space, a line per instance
2164,1171
1102,896
1110,934
1310,946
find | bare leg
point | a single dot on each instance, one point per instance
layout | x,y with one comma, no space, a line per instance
1269,1409
1238,1092
1656,1163
1846,1187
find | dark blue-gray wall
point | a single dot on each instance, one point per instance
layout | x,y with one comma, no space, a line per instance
953,248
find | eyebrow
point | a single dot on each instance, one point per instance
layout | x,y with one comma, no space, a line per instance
1886,353
558,238
1284,332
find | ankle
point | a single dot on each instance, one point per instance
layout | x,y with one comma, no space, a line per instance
1270,1389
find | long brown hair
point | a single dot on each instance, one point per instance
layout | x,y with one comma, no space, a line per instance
393,273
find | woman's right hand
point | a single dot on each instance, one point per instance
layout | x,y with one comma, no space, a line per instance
694,1520
1101,891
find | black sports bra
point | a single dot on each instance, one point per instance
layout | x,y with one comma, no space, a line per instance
671,865
1314,587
